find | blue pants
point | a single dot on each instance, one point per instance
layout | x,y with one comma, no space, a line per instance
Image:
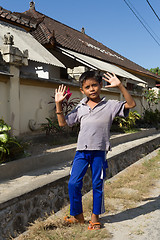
98,164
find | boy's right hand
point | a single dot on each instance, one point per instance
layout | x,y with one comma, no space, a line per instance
60,94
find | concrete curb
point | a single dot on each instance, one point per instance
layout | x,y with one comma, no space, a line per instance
146,158
126,137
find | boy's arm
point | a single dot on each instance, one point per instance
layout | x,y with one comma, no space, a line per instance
115,82
59,97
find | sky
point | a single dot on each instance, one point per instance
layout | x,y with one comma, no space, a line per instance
110,22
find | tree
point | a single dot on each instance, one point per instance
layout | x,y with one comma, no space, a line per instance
155,70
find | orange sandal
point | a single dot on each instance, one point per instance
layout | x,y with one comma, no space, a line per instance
70,220
94,226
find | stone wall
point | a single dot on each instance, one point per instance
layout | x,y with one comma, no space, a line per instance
17,213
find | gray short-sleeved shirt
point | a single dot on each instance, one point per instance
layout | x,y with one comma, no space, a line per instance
95,123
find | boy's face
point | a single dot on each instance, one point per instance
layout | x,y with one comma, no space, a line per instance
91,88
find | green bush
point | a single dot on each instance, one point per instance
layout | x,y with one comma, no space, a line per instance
122,124
9,146
150,119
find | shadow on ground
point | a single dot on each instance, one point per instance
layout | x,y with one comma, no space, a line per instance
152,205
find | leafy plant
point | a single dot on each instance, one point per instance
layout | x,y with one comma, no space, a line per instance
7,143
150,119
122,124
152,96
67,106
132,118
52,126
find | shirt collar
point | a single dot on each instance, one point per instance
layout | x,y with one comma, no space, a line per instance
85,99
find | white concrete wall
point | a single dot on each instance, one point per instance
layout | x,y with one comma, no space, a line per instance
139,107
114,95
34,105
34,99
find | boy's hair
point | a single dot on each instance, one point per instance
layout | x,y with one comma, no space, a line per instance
90,74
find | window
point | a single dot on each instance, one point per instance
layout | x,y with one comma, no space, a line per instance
130,86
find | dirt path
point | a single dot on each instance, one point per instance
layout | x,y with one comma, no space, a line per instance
139,223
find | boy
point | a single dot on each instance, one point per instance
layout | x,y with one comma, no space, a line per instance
95,116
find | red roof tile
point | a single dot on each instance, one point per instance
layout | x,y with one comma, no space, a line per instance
18,19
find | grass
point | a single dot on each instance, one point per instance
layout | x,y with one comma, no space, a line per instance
125,192
58,229
133,130
133,186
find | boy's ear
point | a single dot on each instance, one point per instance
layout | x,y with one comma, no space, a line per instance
101,84
81,90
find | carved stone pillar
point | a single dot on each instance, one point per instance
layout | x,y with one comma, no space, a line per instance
15,58
14,100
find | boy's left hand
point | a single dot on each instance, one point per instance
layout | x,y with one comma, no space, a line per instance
112,79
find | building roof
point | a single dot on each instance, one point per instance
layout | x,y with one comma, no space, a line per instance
59,34
101,65
18,19
23,40
52,33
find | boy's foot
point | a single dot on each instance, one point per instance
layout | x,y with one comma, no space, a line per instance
73,219
94,225
68,219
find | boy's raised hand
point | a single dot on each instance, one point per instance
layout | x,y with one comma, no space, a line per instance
60,94
112,79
